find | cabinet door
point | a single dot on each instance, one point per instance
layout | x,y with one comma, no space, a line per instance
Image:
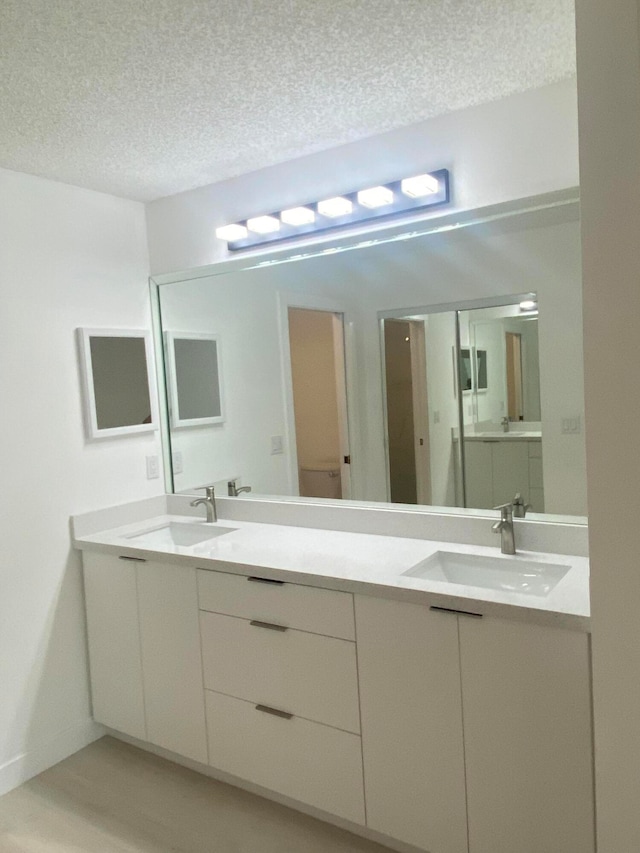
114,643
171,661
510,470
527,730
478,474
409,673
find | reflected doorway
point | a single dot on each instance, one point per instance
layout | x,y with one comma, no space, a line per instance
407,411
316,343
515,409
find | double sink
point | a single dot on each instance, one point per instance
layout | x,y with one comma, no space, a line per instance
508,574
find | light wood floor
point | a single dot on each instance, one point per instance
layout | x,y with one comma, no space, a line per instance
113,798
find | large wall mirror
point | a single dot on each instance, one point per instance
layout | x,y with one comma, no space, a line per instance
435,367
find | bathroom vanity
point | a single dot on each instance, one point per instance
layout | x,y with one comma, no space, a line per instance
432,695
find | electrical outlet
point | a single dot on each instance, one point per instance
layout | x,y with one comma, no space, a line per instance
177,462
572,426
153,467
276,445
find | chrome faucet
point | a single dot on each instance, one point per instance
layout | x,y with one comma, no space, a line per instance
209,502
505,528
519,506
233,491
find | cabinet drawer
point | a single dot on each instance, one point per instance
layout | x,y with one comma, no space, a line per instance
306,674
321,611
306,761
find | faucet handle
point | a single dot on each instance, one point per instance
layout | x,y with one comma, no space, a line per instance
211,492
519,506
506,511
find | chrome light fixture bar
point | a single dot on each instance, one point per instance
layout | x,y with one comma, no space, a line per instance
416,192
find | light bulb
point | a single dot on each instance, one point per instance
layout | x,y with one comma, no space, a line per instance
334,207
298,216
375,197
263,224
420,185
528,305
231,233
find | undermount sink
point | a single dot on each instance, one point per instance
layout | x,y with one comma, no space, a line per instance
182,533
526,577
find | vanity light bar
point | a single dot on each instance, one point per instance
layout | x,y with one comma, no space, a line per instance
385,201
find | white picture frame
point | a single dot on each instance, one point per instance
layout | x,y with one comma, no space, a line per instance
118,378
194,379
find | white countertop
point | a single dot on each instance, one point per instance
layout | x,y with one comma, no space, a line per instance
357,562
500,435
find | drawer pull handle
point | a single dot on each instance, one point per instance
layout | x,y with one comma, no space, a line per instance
265,580
269,625
274,712
133,559
458,612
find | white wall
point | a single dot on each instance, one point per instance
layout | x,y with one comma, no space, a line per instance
609,95
520,146
68,258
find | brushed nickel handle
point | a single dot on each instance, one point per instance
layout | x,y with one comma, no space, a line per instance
274,712
271,626
457,612
265,580
133,559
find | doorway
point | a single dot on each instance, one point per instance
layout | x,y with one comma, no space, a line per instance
316,344
515,408
407,411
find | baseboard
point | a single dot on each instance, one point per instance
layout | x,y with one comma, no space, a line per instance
44,755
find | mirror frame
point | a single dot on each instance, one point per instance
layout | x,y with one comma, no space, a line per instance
94,433
172,380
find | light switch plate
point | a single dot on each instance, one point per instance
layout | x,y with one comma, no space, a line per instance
572,426
176,461
276,445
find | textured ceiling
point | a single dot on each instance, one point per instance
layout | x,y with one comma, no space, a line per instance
146,98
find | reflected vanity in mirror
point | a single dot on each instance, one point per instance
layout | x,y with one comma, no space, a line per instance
432,292
117,373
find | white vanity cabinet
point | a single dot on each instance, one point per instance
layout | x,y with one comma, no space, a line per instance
497,469
494,708
144,651
451,733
